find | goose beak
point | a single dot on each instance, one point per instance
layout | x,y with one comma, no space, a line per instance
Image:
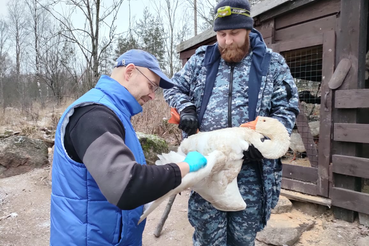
251,124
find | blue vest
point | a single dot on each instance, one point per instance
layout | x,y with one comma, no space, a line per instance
80,214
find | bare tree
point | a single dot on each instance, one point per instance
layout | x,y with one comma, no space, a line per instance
37,25
18,31
3,59
204,9
18,34
97,15
55,63
170,10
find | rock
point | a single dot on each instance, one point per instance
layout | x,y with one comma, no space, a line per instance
310,208
20,154
364,241
284,205
152,146
284,230
364,219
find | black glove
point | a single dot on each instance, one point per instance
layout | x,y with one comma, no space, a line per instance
252,154
188,120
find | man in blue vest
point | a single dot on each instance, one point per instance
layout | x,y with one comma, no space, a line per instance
100,182
225,85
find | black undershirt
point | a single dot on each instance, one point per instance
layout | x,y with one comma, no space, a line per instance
95,136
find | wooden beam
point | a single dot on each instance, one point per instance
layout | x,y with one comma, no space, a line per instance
282,9
300,43
297,196
348,199
350,18
295,185
265,6
309,12
352,98
350,165
354,133
339,74
307,138
326,125
306,29
266,29
202,37
306,174
186,54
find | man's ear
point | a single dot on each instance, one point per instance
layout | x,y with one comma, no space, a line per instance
129,71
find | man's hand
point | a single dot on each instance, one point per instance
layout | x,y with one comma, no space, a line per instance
195,160
252,154
188,121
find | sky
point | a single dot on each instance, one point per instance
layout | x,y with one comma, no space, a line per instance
137,7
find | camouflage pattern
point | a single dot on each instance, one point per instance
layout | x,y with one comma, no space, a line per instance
278,98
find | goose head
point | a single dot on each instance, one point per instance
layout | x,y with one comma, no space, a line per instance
278,140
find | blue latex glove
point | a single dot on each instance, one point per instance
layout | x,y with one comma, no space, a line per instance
195,160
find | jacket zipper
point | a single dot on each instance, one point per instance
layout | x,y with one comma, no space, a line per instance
230,97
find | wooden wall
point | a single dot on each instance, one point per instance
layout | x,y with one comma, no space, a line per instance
342,28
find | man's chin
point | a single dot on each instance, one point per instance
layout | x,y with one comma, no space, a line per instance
141,101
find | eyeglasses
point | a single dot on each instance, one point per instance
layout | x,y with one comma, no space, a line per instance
154,86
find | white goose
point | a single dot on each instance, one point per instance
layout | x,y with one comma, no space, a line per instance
217,181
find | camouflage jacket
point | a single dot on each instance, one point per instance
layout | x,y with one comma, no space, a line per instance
277,98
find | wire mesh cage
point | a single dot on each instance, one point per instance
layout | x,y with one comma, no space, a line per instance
306,68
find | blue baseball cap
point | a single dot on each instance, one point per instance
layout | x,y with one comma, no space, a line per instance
144,59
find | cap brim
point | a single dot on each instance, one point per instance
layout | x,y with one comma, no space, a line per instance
165,82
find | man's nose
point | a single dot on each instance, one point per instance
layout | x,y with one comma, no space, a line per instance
152,95
228,40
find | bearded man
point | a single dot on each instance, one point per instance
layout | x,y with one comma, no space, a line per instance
225,85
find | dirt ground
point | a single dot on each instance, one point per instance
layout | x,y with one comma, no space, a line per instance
24,218
25,205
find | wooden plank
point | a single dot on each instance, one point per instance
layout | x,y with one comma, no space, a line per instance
300,43
306,174
297,196
202,37
299,186
306,29
309,12
325,144
352,200
349,26
282,9
268,42
265,6
344,98
339,74
307,138
266,29
350,165
185,55
354,133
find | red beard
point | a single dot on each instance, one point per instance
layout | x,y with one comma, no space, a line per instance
233,53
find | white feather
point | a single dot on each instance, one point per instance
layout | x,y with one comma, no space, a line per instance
223,149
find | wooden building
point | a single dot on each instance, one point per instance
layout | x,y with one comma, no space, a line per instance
325,43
